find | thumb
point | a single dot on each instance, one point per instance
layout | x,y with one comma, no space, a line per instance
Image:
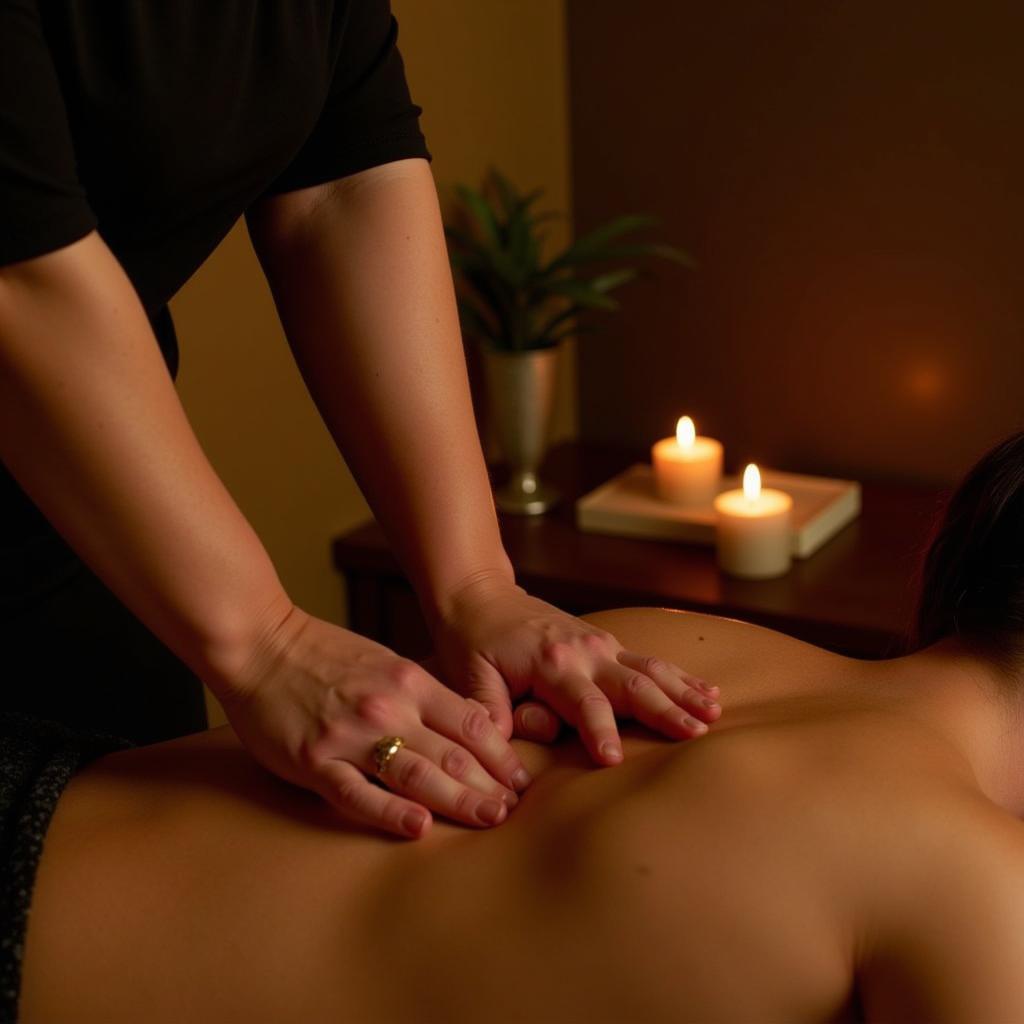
486,685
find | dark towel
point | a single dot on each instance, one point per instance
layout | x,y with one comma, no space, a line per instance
37,758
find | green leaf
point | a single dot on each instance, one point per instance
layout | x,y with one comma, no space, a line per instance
566,314
614,278
506,192
486,259
511,199
618,252
596,241
623,225
666,252
507,268
482,214
518,230
521,248
583,294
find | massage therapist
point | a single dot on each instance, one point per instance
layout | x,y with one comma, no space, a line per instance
133,134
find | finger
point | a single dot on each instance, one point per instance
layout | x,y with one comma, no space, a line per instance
575,697
637,661
461,765
711,689
643,699
358,801
488,686
676,684
536,721
467,723
419,779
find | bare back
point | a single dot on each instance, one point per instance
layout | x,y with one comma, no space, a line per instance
800,850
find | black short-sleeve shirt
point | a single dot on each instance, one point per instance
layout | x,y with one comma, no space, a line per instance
159,122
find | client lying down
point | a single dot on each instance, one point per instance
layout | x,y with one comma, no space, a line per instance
844,842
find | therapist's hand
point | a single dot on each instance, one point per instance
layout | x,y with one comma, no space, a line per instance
313,700
498,644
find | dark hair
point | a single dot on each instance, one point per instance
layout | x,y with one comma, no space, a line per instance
971,584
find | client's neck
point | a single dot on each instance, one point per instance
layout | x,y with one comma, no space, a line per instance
976,707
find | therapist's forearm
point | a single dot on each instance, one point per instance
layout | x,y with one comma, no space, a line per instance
365,293
92,428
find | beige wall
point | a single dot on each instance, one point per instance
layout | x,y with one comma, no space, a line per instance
491,79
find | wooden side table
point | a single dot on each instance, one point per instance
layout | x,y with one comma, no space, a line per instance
855,595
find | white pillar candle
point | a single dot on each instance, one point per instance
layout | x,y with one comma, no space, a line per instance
687,468
753,532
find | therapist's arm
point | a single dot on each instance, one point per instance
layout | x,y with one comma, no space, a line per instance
92,428
360,274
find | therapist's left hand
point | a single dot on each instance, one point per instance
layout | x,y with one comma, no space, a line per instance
497,644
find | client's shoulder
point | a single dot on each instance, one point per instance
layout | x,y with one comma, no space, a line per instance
658,623
719,649
945,938
962,850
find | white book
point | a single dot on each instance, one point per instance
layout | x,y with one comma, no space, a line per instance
628,506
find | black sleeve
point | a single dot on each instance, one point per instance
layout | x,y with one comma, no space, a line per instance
42,205
368,117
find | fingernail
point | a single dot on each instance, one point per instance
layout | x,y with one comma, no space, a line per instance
611,751
414,822
510,799
490,812
521,779
708,688
693,723
535,720
709,704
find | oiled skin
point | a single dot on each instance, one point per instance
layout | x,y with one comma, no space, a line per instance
760,873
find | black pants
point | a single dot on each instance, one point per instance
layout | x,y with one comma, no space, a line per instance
71,652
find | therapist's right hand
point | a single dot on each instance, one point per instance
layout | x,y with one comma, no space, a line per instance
311,702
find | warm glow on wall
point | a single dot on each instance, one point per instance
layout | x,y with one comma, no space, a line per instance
926,380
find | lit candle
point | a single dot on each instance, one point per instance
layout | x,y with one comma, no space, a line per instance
753,531
687,468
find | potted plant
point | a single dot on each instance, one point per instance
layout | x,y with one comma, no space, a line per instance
519,304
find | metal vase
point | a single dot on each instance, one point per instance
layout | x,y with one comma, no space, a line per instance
520,390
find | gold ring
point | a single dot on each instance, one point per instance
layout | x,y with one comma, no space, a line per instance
384,751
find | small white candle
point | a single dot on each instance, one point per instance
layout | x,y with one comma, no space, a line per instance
687,468
753,531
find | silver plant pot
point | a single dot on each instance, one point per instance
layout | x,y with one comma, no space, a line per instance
520,389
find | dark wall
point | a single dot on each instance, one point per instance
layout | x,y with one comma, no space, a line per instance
850,177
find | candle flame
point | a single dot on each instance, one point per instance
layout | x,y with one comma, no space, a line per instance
751,482
686,432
